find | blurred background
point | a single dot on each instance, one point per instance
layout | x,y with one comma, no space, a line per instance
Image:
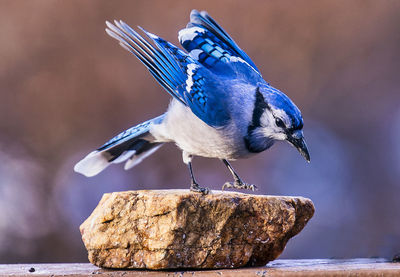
66,88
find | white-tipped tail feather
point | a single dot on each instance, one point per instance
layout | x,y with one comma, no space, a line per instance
92,164
134,160
95,162
124,156
130,146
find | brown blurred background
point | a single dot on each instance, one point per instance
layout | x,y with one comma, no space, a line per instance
66,88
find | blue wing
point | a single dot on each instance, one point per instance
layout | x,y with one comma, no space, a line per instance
181,76
211,46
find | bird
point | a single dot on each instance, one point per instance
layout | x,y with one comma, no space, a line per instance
221,106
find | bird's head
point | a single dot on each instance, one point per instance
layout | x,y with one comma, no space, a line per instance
275,117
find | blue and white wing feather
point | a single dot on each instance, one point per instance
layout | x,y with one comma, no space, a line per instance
184,78
162,67
211,46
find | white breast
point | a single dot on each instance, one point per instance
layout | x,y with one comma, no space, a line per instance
197,138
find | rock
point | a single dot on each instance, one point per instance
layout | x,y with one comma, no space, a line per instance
164,229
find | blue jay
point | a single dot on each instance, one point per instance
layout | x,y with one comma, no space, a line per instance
221,106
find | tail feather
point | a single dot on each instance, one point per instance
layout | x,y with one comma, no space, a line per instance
136,159
92,164
130,146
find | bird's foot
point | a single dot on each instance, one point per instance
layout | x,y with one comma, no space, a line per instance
196,188
239,184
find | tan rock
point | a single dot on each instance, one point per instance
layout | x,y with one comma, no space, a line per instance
160,229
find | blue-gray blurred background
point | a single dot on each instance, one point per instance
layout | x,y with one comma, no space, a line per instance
66,88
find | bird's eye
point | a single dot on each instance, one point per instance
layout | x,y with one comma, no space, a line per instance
279,123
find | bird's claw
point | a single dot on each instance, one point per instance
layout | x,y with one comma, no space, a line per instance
196,188
239,185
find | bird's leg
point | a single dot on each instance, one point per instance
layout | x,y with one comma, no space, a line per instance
194,186
237,183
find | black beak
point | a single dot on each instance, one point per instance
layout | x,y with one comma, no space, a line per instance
297,140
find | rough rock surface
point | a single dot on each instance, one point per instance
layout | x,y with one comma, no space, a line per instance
161,229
